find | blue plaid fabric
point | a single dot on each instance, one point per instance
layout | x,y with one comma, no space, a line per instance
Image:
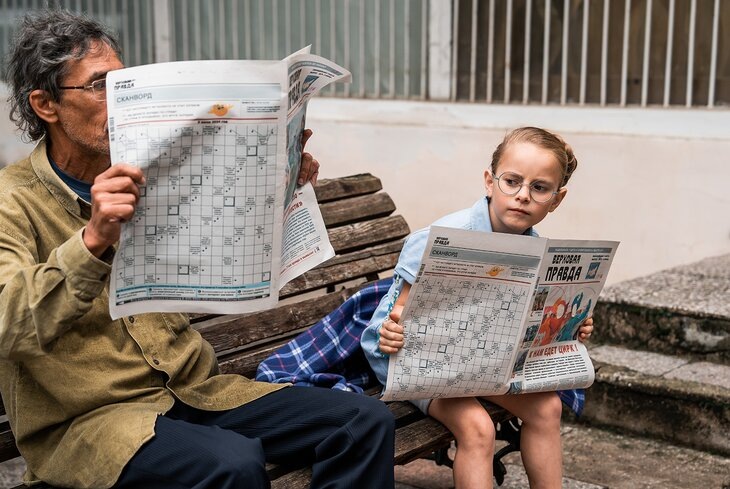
575,399
329,355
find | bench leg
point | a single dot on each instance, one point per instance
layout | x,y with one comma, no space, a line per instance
508,431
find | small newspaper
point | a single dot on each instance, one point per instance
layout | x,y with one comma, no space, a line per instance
493,313
221,224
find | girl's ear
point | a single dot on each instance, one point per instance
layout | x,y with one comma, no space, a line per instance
558,199
488,183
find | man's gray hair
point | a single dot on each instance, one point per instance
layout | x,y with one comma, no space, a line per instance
44,43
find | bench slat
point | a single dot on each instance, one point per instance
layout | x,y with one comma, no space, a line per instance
299,479
352,237
357,209
337,188
7,445
232,332
345,271
246,364
419,439
371,252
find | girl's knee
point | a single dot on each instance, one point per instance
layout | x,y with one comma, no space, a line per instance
474,427
547,411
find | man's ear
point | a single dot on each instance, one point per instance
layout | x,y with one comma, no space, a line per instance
488,183
44,106
558,199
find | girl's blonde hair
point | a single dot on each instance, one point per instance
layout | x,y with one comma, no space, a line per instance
544,139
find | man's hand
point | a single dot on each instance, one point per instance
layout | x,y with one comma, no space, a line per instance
114,196
391,333
585,330
309,169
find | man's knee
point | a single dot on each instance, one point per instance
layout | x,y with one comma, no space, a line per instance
241,464
377,413
243,472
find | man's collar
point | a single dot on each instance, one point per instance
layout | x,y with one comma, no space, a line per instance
61,192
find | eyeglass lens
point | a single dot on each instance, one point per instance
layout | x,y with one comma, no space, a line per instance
98,87
511,183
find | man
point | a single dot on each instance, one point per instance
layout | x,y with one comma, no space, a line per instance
136,402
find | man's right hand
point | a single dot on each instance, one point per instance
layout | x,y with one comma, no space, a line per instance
114,196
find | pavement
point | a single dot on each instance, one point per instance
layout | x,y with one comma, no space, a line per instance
593,459
596,458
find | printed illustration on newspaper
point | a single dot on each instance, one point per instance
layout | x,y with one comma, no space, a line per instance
493,313
220,225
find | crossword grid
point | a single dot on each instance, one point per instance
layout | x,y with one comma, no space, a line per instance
210,235
463,333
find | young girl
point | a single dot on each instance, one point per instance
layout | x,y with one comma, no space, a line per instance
525,182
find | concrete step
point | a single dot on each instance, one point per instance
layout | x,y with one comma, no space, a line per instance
675,399
681,311
596,458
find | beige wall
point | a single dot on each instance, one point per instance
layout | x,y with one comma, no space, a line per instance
640,179
655,179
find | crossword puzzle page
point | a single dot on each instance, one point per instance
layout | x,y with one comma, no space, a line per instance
464,315
209,217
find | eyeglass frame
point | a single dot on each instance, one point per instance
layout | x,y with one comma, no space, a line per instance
529,188
90,86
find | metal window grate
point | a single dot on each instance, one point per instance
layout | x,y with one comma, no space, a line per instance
603,52
606,52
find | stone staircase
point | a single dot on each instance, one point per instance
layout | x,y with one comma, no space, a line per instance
661,349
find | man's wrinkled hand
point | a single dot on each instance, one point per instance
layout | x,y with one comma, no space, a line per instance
309,169
114,197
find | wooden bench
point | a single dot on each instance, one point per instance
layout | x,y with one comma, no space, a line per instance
367,238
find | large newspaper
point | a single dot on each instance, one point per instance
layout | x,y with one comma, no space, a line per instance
220,225
493,313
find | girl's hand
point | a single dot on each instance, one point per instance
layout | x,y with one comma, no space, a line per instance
585,330
391,333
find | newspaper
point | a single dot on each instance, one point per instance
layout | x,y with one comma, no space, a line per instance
220,225
493,313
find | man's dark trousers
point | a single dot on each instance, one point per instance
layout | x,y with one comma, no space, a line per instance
347,438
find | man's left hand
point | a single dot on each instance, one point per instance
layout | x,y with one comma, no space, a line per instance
309,170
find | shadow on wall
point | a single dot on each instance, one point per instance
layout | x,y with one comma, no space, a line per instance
11,146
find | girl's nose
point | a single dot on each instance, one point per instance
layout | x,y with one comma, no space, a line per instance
524,193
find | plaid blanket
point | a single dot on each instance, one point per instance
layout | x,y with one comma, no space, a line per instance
329,355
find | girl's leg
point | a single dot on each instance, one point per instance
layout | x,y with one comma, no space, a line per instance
474,432
540,439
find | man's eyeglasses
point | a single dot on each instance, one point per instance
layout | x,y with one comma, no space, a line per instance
97,87
511,183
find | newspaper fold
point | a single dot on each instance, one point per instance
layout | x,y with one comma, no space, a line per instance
220,225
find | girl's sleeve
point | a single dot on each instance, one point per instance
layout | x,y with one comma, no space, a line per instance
406,270
410,257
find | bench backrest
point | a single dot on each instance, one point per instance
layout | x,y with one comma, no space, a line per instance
367,239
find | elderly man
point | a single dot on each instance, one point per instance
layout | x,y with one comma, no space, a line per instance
137,402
